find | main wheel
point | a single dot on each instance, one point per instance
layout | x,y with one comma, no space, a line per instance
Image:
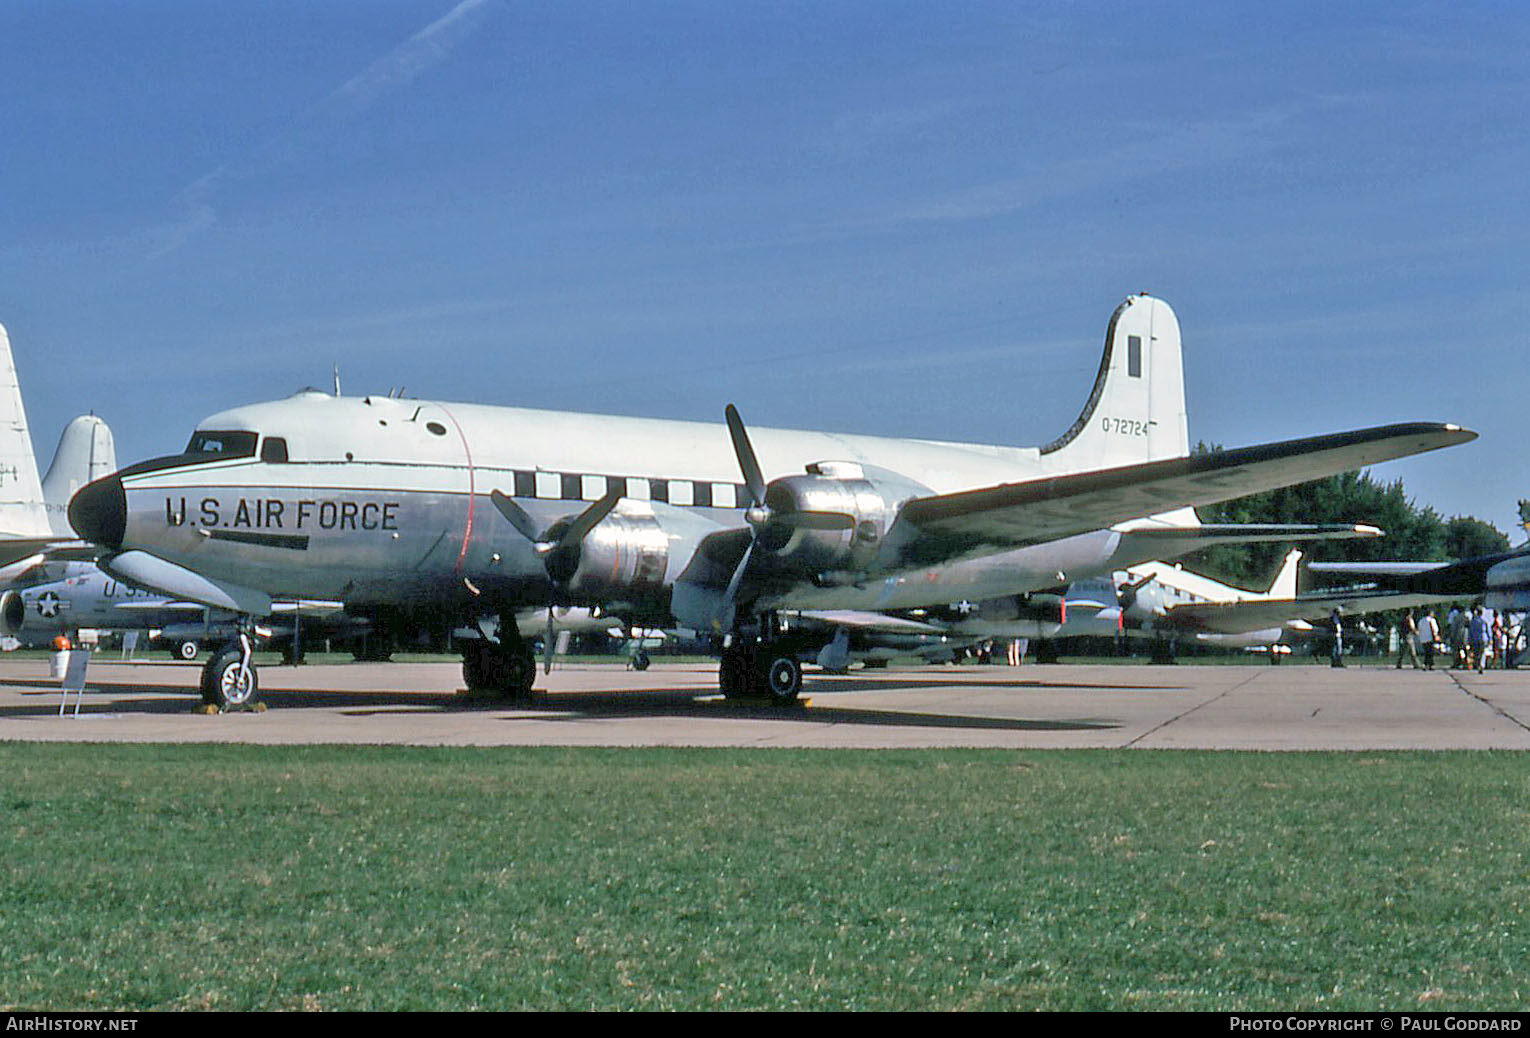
225,686
488,668
782,678
734,674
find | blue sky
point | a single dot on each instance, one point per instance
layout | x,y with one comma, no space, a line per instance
899,218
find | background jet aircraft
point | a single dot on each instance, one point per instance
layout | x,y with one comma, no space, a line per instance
1501,580
440,510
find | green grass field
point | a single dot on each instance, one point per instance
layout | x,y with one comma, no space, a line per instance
189,877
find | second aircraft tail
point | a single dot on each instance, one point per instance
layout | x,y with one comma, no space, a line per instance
86,452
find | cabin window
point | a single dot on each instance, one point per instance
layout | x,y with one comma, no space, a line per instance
703,494
525,484
436,428
224,444
274,450
658,490
618,484
571,487
1134,356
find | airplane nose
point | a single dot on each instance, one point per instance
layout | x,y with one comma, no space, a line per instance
98,512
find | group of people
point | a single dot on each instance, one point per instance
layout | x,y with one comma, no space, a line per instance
1479,639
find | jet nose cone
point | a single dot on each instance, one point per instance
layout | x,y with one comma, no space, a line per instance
98,512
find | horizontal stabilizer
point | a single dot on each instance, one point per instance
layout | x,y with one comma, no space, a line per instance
1260,614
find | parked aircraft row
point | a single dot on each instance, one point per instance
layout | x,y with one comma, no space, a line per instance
432,514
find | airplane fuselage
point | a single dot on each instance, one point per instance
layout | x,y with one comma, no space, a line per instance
381,500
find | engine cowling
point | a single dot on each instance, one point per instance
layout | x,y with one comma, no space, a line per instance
13,614
833,518
624,553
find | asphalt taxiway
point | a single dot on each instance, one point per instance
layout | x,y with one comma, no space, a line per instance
1294,707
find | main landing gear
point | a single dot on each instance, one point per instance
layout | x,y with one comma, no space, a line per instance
505,668
765,665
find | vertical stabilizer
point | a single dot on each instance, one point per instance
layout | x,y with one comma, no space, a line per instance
21,501
1136,412
86,452
1284,584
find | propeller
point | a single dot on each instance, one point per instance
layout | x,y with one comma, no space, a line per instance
560,546
759,515
1126,595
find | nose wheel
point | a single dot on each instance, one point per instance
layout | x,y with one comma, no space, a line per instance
229,680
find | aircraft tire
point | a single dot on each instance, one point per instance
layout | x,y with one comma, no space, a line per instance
221,686
734,674
488,669
781,678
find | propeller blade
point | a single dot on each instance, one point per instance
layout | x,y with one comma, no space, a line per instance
731,593
516,516
581,525
547,641
748,464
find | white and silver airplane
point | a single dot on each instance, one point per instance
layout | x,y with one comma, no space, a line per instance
465,511
1167,600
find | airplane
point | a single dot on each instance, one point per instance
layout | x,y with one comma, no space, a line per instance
1500,580
464,511
1161,599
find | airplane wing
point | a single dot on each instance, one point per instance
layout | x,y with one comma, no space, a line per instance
1460,579
947,527
1257,615
1376,569
161,606
14,549
868,621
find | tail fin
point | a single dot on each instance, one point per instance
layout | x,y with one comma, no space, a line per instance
1136,412
86,452
21,501
1284,584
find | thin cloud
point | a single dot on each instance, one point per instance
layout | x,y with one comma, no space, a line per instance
392,72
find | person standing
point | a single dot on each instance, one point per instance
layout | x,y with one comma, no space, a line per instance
1477,644
1409,646
1455,623
1429,634
1337,659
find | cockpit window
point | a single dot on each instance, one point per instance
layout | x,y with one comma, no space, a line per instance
223,444
273,449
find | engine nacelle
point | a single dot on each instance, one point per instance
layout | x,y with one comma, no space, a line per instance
624,553
833,518
13,614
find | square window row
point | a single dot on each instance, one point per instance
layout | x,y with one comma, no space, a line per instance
565,486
